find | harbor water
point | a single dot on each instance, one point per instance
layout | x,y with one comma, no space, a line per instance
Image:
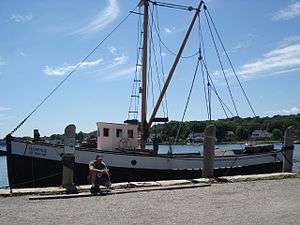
165,149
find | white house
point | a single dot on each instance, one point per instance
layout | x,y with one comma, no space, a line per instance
229,135
112,136
260,134
196,137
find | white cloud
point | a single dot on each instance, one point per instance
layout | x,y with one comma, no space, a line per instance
283,59
173,30
21,18
113,50
22,54
59,71
117,61
289,40
292,11
293,110
276,60
125,72
163,54
244,44
168,30
4,108
103,19
2,61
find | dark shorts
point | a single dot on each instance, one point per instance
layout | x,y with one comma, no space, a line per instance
101,179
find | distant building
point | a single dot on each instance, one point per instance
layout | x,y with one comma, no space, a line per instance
260,134
229,136
196,137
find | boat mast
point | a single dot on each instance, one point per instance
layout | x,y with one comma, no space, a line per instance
172,70
144,126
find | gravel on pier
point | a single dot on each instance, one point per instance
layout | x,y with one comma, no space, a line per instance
259,202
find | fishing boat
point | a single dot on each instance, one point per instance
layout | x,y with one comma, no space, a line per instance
123,146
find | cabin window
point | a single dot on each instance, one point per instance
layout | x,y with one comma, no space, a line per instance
105,132
130,133
119,133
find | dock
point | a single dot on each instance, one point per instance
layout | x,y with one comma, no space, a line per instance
254,199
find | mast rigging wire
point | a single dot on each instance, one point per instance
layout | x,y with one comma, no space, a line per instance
72,71
230,62
221,66
173,6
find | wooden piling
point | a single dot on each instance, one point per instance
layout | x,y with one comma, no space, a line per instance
69,159
288,149
209,151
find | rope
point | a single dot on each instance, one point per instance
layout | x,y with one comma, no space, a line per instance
164,106
189,95
161,60
72,71
173,6
207,94
221,65
223,105
167,48
133,105
230,62
38,179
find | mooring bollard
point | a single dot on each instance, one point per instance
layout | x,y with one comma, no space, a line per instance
68,159
288,149
209,151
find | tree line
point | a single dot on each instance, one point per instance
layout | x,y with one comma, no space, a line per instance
242,127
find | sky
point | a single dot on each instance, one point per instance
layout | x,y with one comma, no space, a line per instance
42,41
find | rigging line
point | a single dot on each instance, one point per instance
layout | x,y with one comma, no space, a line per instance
188,98
136,82
161,59
216,92
138,73
150,74
134,91
168,49
230,62
201,47
221,65
71,72
173,6
204,89
155,60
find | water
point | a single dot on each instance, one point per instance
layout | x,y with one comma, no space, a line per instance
164,149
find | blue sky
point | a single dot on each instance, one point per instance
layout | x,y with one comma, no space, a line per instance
41,41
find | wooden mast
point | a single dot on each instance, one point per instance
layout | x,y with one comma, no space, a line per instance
144,126
172,70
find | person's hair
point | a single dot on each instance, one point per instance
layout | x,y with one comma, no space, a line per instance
98,157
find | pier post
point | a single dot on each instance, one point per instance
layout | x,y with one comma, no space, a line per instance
209,151
288,149
68,159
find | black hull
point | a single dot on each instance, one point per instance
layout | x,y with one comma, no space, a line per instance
26,171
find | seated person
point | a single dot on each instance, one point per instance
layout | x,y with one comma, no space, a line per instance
99,174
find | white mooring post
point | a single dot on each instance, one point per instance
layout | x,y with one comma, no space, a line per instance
209,151
69,159
288,149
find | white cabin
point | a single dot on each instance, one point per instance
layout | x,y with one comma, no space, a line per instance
111,136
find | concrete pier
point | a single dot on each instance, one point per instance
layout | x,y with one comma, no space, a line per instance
257,202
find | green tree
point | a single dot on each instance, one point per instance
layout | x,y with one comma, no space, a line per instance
242,133
277,134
